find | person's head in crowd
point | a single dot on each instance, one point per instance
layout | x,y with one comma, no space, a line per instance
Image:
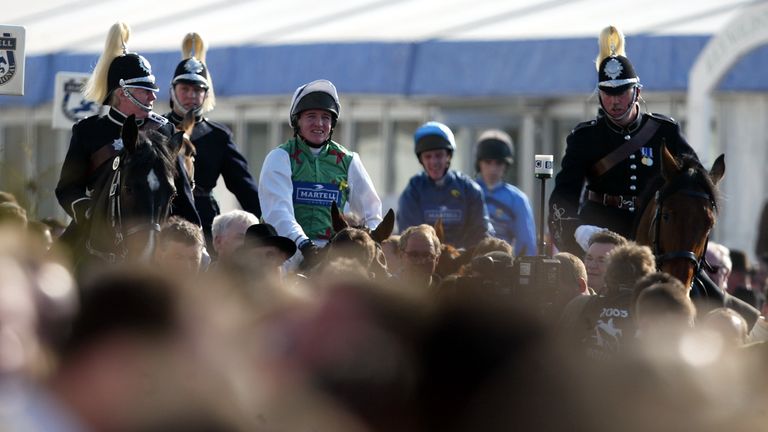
263,247
663,310
600,245
492,244
355,244
121,350
7,197
573,276
12,216
653,279
419,253
39,235
57,227
180,246
626,265
339,271
727,323
19,345
740,277
719,259
391,253
228,231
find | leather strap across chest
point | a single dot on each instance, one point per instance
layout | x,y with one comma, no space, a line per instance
622,152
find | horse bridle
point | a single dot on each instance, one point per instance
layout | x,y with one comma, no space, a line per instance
116,219
656,227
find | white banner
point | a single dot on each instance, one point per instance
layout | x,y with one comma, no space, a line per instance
69,106
12,60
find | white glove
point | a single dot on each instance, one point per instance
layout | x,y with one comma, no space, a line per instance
583,233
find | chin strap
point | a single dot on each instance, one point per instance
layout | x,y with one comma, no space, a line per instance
135,101
179,108
632,105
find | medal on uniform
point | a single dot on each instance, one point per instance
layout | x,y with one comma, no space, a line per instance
647,159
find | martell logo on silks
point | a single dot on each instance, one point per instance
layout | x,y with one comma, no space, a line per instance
449,216
316,194
73,105
7,57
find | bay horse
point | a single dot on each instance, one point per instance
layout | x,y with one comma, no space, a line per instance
677,213
346,235
133,197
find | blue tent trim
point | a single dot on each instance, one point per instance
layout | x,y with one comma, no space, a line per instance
473,69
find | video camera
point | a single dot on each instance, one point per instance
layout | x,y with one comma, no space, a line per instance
529,280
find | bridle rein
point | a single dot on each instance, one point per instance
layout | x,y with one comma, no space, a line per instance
115,214
656,227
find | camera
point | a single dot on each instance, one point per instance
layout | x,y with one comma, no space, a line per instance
530,281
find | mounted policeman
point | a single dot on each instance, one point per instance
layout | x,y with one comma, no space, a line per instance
614,156
216,153
123,81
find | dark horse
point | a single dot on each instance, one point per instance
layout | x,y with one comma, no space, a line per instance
132,198
678,211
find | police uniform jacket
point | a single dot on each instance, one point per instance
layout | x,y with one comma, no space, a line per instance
217,155
78,179
609,200
456,199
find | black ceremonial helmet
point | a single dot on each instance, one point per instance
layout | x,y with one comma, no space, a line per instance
192,70
494,144
119,69
615,73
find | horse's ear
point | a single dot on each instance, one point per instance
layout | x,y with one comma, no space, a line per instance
188,123
385,228
337,219
130,134
440,229
176,143
669,166
718,169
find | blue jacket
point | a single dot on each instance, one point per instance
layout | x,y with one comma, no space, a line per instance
457,199
511,216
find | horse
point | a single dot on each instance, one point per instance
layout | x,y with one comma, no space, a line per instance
347,235
133,198
677,214
187,151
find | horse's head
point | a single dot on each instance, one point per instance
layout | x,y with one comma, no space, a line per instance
380,233
136,198
677,222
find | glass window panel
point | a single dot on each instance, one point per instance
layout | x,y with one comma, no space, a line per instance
14,164
405,163
368,143
46,171
256,146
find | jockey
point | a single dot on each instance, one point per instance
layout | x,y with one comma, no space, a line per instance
508,207
216,153
123,81
441,193
303,176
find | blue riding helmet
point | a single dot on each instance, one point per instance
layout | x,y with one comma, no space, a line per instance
433,136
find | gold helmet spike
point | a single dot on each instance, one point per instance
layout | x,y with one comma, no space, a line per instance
611,44
193,46
115,46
